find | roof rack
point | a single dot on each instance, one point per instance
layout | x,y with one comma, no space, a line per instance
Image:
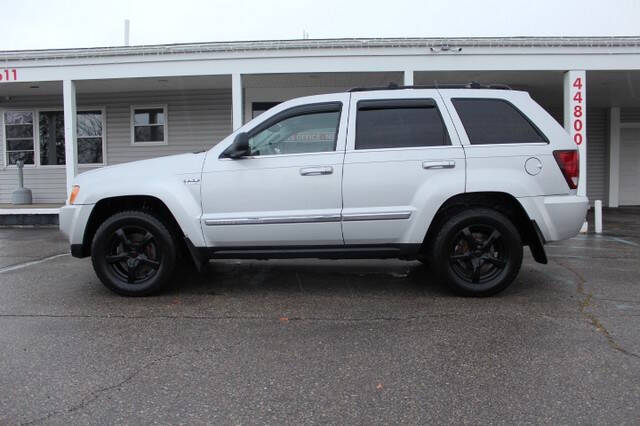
470,85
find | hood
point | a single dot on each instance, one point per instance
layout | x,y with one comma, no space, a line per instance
153,168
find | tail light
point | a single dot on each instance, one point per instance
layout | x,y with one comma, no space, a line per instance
569,164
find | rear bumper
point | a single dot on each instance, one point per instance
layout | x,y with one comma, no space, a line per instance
559,216
73,221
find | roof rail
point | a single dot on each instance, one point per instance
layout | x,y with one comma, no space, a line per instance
470,85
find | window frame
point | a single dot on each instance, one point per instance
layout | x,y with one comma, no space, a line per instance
396,103
132,125
36,136
544,141
36,150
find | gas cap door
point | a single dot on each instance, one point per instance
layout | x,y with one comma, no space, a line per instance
533,166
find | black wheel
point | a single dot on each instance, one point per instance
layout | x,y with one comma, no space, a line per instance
133,253
477,252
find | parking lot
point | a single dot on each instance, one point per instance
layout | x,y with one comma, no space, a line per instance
309,341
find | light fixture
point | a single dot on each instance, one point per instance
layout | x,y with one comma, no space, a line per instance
446,48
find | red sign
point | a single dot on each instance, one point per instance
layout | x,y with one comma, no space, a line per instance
577,115
9,75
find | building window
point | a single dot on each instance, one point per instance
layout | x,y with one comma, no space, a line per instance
18,131
51,133
409,123
47,148
90,137
149,125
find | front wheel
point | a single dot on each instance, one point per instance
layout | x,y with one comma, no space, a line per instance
477,252
133,253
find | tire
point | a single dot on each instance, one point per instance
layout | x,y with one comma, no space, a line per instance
477,252
133,253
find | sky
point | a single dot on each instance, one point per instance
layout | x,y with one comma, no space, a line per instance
46,24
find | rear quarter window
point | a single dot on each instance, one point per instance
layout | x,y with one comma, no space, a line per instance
495,121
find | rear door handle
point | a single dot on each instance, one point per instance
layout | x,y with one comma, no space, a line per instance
316,171
446,164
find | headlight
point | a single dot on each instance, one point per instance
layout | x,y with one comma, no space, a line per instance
74,193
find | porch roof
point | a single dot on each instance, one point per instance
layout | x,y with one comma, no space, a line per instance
309,44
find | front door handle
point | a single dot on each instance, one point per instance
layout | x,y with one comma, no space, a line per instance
316,171
446,164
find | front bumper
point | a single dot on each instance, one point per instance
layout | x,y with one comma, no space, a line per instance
73,222
559,217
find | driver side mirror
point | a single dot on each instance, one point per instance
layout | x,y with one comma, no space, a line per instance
239,148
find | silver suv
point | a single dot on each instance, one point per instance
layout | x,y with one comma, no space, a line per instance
459,177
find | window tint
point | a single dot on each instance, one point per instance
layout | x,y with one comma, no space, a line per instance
494,121
399,124
307,132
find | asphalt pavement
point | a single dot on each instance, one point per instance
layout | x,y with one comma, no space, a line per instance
310,341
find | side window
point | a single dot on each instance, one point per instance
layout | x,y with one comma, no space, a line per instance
495,121
399,124
302,130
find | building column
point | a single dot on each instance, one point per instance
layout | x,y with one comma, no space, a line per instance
70,127
236,100
408,78
614,156
575,118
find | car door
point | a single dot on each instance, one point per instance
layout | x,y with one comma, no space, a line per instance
403,160
287,192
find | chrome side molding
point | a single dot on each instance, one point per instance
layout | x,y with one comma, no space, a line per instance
274,220
349,217
352,217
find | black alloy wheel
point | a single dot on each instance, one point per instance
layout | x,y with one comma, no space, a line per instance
133,253
477,252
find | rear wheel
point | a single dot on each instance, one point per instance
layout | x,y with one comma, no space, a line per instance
477,252
133,253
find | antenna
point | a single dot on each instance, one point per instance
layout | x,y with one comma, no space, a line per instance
305,35
126,32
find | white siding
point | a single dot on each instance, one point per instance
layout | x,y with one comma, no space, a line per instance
197,119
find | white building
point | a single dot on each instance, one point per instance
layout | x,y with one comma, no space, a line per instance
121,104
